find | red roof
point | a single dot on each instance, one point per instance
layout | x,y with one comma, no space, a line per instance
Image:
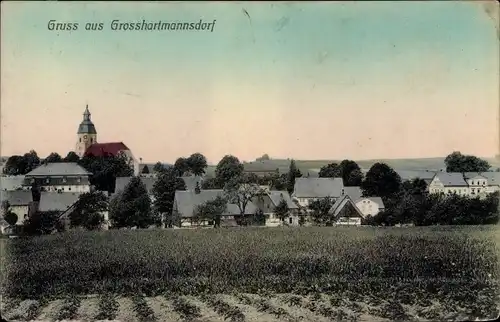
101,149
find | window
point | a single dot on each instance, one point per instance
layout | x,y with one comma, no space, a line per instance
80,140
290,220
91,140
69,188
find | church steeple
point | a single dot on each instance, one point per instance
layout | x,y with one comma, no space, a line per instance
86,114
87,134
86,127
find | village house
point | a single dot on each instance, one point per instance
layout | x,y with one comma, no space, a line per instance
448,183
465,184
269,200
59,177
19,201
345,212
307,190
366,205
185,203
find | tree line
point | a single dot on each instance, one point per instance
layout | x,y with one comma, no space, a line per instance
406,202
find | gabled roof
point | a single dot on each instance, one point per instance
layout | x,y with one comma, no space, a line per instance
101,149
57,201
341,203
318,187
451,179
121,183
11,182
17,197
474,175
186,202
414,174
58,169
276,197
353,192
492,177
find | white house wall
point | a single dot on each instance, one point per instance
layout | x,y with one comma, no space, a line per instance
368,207
67,188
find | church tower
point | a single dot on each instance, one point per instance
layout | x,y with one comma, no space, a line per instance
87,135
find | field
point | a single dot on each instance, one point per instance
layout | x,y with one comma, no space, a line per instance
283,274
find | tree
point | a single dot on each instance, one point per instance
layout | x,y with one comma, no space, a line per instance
457,162
381,181
133,208
158,167
54,157
281,210
197,163
279,181
228,168
211,210
211,183
88,210
164,193
105,169
331,170
41,223
351,173
145,170
20,165
264,157
293,172
181,166
241,194
320,211
72,157
197,188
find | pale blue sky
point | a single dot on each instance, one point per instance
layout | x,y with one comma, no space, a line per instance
303,80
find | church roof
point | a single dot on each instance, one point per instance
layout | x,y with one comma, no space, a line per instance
86,127
101,149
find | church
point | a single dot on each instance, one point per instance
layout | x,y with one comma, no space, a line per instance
87,143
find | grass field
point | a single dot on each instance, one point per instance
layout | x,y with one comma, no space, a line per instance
307,274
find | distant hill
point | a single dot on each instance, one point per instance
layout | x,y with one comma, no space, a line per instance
398,164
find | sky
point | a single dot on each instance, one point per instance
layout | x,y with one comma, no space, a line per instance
305,80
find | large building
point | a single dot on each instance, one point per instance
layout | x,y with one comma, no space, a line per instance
87,143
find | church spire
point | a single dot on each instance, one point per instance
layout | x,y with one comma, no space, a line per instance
86,114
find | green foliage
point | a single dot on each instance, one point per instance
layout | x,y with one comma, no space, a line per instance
457,162
197,163
105,169
132,208
381,181
293,172
164,193
41,223
351,173
227,169
19,165
88,210
327,260
281,210
211,210
72,157
158,167
331,170
54,157
419,208
264,157
211,183
181,166
320,209
240,193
